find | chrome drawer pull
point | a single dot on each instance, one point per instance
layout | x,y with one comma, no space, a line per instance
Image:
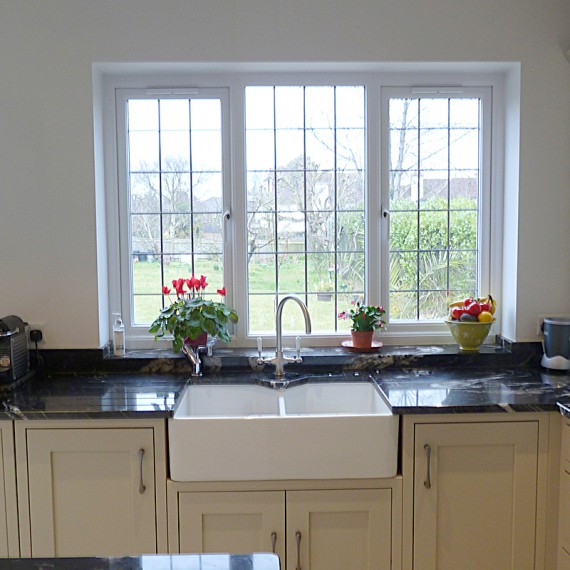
142,488
427,481
298,539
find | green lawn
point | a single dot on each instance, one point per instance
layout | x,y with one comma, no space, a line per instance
148,298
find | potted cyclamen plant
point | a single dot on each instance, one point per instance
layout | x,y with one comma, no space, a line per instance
191,317
365,320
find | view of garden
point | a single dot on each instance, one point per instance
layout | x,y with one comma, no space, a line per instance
305,202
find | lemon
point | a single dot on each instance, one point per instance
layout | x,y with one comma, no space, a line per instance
485,317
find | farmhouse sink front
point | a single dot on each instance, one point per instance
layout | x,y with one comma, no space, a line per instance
333,430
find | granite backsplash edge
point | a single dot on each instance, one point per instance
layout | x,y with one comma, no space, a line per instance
502,354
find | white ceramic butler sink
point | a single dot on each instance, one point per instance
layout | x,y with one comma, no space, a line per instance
335,430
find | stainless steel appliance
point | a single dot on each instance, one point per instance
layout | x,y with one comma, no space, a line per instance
556,343
14,353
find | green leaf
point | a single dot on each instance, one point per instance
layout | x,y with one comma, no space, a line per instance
209,326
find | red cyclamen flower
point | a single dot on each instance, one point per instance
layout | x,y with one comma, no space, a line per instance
178,284
203,283
193,283
221,291
166,290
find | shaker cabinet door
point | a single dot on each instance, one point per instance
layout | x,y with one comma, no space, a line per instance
475,495
339,529
91,492
233,522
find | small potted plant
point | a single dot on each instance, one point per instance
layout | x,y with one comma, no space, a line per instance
324,290
365,320
191,317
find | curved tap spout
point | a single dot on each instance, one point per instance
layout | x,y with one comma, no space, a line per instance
279,359
279,319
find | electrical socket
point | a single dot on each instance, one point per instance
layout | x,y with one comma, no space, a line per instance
540,320
37,326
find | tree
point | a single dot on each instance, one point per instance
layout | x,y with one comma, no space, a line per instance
162,203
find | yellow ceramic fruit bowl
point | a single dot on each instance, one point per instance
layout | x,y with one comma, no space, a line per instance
469,335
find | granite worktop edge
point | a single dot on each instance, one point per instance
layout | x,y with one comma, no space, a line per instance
154,396
500,353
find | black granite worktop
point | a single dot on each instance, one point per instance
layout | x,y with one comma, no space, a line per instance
423,391
408,390
149,562
415,380
93,396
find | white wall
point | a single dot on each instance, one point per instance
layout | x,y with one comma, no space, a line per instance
48,253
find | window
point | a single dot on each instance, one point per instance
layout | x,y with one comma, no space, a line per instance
305,200
333,188
172,195
435,187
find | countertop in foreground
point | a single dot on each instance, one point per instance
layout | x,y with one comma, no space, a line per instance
149,562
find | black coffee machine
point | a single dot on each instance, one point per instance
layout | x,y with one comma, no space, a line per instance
14,353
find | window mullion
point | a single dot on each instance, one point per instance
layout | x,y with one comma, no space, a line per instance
160,202
335,205
275,202
235,246
448,264
305,209
191,189
377,168
418,203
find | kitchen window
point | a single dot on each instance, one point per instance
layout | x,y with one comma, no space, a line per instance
305,201
172,194
334,188
438,200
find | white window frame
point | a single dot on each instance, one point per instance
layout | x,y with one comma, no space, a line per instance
379,83
139,333
404,330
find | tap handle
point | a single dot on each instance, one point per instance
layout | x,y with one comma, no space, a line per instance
298,346
259,346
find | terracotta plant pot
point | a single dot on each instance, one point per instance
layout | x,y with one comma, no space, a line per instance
200,340
362,339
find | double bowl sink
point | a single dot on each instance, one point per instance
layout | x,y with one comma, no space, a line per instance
316,430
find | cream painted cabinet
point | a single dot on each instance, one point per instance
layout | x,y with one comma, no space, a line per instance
308,529
475,493
234,522
87,489
336,530
564,502
9,543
